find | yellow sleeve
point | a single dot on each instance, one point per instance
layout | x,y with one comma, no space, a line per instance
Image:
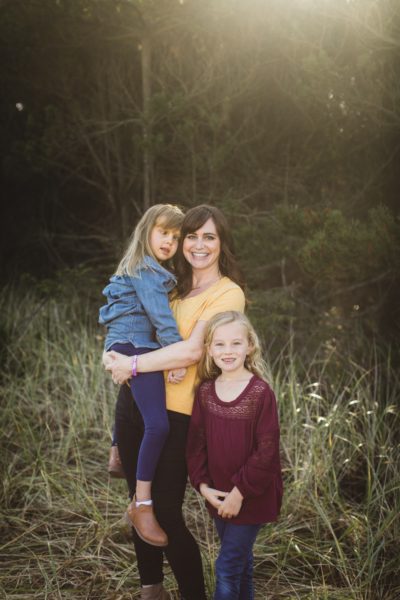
230,299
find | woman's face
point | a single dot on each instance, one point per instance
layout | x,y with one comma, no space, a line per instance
202,248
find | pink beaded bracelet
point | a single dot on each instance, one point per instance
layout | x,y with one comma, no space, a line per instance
134,365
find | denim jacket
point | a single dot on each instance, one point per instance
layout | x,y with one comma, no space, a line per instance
137,309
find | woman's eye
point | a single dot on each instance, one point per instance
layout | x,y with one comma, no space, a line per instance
190,236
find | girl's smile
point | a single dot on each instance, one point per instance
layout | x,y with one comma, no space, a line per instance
229,348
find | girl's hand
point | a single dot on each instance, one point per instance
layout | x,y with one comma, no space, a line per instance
211,495
176,375
232,504
119,365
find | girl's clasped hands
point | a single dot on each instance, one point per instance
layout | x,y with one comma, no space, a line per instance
228,504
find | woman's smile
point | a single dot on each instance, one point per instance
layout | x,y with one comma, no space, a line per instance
202,247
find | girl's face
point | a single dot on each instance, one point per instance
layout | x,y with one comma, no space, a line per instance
163,242
229,347
202,248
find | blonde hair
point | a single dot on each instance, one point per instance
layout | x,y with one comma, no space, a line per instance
254,362
165,215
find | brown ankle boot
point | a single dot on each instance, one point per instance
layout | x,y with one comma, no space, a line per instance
114,464
145,523
154,592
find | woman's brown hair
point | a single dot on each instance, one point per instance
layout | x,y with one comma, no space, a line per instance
193,220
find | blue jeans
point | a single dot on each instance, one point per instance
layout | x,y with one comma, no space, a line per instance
234,565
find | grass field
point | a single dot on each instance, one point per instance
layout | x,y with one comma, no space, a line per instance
62,535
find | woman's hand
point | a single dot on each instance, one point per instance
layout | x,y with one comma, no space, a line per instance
119,365
106,359
176,375
211,495
232,504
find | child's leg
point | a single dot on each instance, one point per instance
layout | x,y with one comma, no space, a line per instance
148,390
234,565
247,583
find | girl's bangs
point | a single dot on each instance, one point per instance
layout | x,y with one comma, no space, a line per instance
170,220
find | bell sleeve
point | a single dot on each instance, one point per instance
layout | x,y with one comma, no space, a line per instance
263,465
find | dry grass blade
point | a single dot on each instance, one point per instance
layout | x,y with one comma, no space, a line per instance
61,531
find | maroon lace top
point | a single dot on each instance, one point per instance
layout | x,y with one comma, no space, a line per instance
237,444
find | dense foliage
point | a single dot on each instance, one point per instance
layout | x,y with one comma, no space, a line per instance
285,114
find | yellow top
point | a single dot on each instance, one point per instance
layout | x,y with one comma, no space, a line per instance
223,295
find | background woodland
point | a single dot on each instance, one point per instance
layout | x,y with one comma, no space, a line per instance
286,115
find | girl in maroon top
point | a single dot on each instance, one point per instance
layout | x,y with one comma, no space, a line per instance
233,448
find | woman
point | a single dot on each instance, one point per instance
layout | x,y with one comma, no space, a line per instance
208,283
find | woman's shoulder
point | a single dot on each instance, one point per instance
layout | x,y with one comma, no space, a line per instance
226,287
229,294
228,284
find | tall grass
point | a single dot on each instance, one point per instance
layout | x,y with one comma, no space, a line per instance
62,534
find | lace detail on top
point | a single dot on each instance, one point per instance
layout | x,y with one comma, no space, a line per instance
245,409
266,454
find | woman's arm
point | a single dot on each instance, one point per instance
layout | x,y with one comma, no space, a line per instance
180,354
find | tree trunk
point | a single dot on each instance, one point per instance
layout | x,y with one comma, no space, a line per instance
147,152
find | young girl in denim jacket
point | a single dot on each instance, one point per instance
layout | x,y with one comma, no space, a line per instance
233,448
138,320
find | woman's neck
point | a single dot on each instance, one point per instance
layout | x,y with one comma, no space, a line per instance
204,278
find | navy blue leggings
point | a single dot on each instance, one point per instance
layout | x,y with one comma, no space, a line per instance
148,392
